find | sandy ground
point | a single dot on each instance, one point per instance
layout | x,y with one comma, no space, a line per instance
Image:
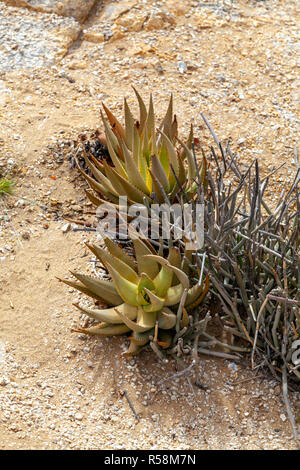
59,390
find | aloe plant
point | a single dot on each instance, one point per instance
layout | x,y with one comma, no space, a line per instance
145,161
143,294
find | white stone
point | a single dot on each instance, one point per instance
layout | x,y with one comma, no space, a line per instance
66,228
4,381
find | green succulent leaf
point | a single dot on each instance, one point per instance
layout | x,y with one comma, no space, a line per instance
174,295
166,319
197,294
144,265
156,303
192,173
166,125
109,134
143,109
84,290
144,321
173,158
182,277
102,288
122,268
109,315
129,124
116,251
102,330
115,124
151,125
97,201
126,289
163,280
159,172
145,281
141,339
174,257
129,189
133,172
133,350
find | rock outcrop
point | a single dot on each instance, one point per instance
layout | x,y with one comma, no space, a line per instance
78,9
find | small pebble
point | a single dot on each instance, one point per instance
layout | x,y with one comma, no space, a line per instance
66,228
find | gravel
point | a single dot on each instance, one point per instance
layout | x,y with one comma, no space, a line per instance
87,417
29,39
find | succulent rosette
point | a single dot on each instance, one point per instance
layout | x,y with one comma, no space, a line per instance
143,295
146,164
